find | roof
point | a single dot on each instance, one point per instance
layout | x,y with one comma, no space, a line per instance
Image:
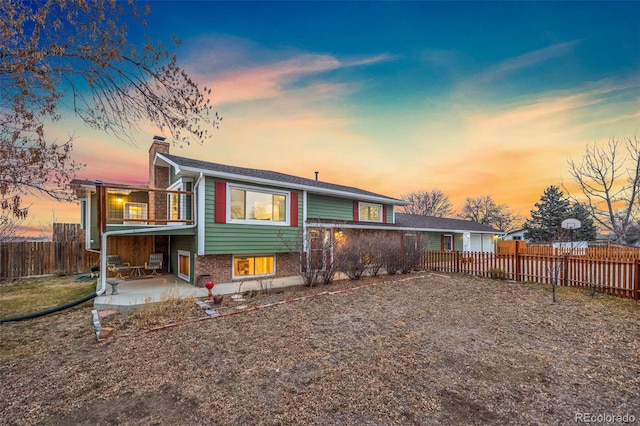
432,222
271,177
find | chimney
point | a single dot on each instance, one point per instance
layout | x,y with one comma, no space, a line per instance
316,175
158,176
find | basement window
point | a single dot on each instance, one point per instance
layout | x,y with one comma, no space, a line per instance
253,266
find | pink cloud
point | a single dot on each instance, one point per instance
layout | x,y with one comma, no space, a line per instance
247,83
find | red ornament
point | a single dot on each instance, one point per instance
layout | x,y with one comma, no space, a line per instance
209,284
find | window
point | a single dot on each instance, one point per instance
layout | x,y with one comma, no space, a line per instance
258,206
447,242
179,204
247,266
370,212
184,265
135,213
174,206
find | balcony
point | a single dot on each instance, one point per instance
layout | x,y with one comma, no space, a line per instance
122,207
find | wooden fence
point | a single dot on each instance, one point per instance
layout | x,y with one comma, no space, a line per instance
598,252
28,258
615,276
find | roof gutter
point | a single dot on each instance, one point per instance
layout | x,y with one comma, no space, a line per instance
103,244
397,228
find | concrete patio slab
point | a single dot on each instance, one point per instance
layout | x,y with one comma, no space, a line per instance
138,291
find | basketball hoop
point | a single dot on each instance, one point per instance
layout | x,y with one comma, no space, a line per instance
571,223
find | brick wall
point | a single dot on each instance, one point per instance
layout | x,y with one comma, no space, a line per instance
220,267
158,178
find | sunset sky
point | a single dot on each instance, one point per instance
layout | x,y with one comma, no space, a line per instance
471,98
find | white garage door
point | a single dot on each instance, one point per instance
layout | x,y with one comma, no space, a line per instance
482,242
476,242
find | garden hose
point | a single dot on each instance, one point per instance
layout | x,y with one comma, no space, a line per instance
49,311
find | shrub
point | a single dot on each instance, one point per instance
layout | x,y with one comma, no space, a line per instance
498,274
351,257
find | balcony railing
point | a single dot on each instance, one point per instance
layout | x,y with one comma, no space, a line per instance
141,206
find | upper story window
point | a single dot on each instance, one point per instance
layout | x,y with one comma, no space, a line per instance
178,203
257,206
370,212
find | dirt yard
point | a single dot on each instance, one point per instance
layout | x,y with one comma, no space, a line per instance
418,349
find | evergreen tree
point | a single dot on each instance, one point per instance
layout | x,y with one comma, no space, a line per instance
587,230
544,225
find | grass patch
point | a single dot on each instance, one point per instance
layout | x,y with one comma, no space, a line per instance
170,309
28,295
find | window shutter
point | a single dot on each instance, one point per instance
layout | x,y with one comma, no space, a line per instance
220,207
293,219
356,212
384,214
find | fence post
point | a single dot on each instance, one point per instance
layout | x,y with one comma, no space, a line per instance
516,259
636,281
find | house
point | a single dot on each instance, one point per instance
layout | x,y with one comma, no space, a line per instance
233,224
515,235
439,233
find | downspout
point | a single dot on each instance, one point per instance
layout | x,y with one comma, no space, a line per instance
305,245
103,243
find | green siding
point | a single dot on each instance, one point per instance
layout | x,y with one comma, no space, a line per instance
233,238
173,177
433,240
93,223
323,207
389,208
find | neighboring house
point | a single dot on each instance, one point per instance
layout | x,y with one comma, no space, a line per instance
517,235
233,224
439,233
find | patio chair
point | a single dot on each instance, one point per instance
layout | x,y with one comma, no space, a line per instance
115,265
154,263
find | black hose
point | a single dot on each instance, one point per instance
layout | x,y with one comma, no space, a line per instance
49,311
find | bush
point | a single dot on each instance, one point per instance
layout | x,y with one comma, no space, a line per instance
498,274
351,259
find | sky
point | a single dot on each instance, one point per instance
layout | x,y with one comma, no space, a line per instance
477,98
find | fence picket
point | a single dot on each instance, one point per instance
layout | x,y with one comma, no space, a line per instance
618,276
26,258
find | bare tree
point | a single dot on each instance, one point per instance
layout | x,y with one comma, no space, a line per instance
78,53
428,203
313,255
609,179
9,228
485,211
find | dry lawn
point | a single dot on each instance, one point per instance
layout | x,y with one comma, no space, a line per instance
418,349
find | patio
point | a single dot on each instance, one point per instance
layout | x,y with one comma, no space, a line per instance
137,291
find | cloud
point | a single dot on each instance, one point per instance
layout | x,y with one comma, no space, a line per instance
525,61
239,70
